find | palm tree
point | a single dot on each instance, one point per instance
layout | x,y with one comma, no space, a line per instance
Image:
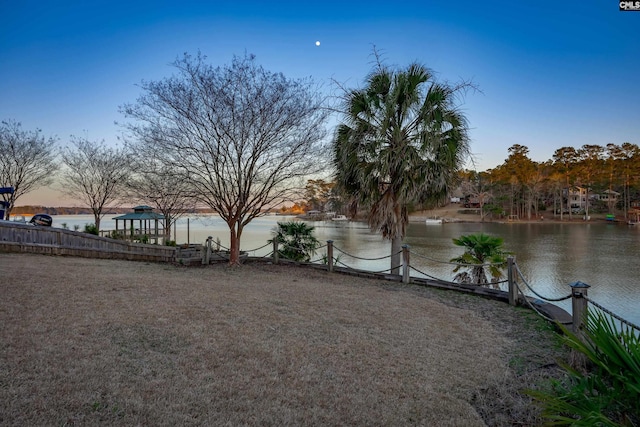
483,253
296,240
402,140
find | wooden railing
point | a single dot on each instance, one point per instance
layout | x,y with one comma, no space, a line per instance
16,237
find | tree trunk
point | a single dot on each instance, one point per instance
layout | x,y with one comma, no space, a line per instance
96,218
396,255
167,227
234,250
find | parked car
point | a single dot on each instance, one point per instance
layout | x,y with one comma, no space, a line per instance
41,219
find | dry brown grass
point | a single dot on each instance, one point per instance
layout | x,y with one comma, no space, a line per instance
88,342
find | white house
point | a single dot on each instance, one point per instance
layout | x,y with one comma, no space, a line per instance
607,196
578,197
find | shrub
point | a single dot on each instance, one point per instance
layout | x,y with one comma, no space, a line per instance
607,393
91,229
116,235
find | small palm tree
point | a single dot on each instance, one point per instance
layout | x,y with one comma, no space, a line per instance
296,240
483,253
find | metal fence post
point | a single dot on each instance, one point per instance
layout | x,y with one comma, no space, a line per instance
330,255
513,289
578,306
276,257
406,278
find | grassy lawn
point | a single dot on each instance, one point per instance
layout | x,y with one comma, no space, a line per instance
86,342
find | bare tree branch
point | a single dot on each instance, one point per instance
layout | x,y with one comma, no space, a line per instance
160,186
95,174
241,136
27,161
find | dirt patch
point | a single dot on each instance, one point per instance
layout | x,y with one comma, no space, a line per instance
88,342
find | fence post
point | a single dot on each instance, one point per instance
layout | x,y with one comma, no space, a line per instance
406,278
330,255
276,258
513,289
578,305
207,255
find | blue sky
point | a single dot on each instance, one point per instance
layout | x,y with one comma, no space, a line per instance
551,74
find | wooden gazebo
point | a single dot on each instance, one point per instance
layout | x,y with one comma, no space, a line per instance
142,224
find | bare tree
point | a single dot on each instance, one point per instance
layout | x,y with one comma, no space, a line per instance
27,161
94,173
242,136
159,186
477,186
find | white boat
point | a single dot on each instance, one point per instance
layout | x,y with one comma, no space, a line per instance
433,221
340,218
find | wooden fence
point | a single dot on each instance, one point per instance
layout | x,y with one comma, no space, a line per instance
16,237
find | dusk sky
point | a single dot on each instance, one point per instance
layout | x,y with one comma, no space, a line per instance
551,73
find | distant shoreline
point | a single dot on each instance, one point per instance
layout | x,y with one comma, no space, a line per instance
450,214
453,214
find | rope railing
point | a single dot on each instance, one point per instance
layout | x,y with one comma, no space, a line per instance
577,316
534,292
223,247
538,312
355,269
454,263
365,259
428,276
261,247
612,314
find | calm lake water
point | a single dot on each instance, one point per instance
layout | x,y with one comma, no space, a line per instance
605,256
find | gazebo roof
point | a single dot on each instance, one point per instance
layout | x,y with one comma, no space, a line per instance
140,213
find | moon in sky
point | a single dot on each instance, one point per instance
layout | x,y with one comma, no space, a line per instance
318,43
